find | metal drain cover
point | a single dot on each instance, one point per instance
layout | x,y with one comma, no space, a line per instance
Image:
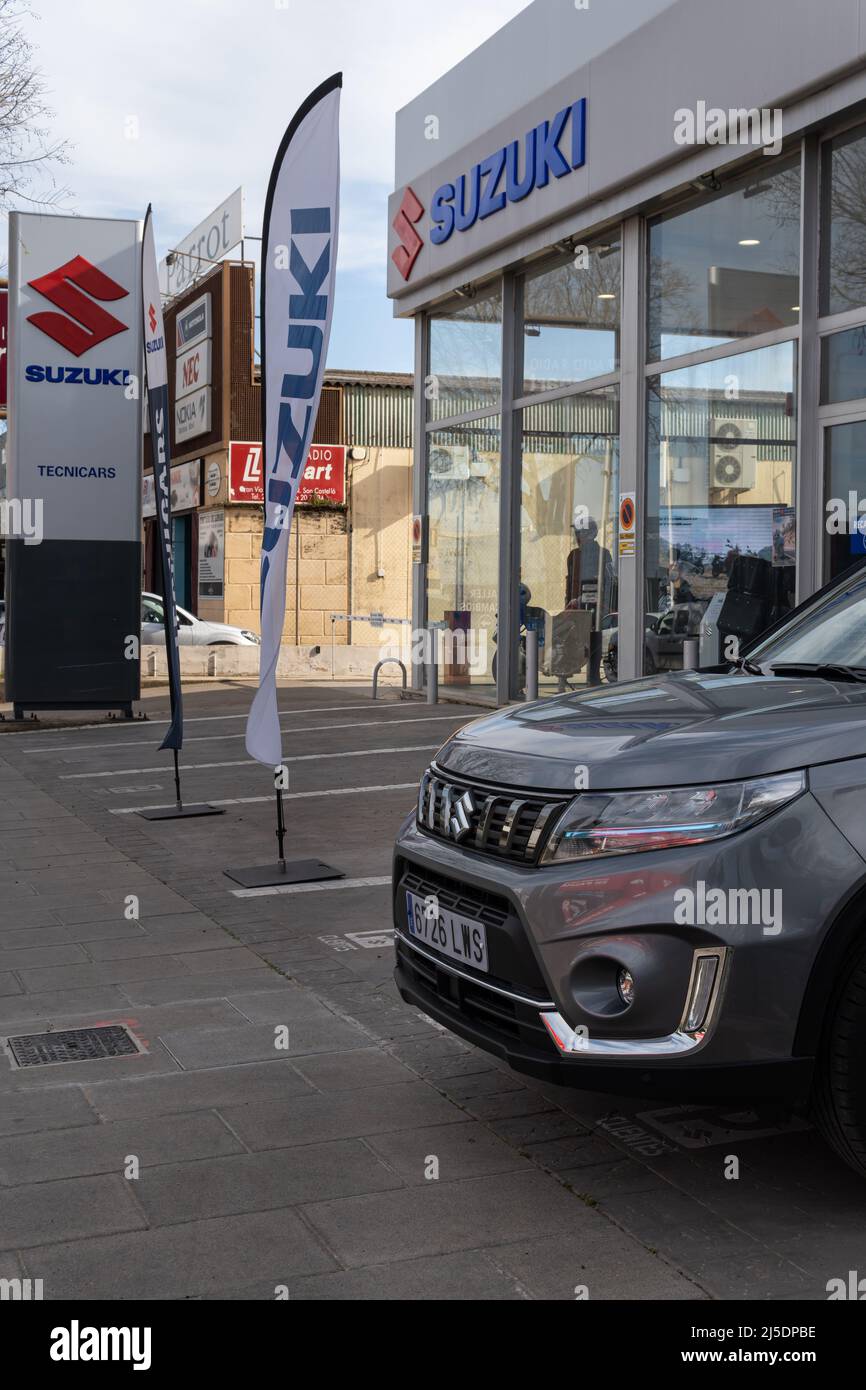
78,1045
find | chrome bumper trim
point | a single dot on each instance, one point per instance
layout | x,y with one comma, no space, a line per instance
442,964
580,1043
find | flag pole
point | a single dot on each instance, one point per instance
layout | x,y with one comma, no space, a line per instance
297,297
156,376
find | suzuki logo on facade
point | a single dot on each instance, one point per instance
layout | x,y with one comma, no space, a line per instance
411,243
73,287
457,814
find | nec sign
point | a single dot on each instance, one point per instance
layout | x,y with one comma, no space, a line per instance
554,148
308,314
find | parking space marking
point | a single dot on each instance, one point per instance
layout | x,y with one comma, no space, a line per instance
195,719
287,796
250,762
232,738
331,887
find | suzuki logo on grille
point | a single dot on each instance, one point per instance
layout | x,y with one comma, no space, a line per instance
73,287
457,814
411,243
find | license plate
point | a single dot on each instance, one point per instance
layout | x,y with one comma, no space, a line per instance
460,938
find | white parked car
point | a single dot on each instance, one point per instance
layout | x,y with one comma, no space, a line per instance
192,632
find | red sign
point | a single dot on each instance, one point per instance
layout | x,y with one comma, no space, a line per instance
82,325
324,476
4,324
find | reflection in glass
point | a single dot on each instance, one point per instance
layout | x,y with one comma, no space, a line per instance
727,268
569,505
720,502
843,367
844,269
572,319
845,474
463,575
466,359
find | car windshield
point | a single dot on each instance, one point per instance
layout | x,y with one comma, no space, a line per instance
830,631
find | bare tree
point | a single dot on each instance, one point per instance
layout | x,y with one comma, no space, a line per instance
29,154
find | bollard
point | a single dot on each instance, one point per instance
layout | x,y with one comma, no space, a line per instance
433,669
691,654
531,666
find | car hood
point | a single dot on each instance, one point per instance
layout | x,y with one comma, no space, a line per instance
676,730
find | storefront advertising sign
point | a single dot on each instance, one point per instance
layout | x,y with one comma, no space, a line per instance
185,489
193,369
211,555
192,415
324,477
210,241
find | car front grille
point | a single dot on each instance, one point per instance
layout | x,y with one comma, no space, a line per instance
500,823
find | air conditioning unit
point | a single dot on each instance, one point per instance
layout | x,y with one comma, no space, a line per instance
449,464
733,454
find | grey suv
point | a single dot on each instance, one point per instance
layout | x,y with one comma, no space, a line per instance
660,887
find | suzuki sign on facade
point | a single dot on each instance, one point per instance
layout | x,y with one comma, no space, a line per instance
324,477
75,387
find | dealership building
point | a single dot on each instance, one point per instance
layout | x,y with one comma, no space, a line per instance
632,239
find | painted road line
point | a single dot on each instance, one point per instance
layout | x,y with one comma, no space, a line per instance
250,762
194,719
287,796
332,887
232,738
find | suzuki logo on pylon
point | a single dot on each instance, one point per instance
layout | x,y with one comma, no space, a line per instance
151,318
73,287
407,253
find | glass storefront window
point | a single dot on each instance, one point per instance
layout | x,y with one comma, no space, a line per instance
844,199
463,466
843,367
721,521
727,268
569,505
845,487
571,318
466,359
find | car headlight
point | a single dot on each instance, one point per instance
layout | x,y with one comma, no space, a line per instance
601,824
252,637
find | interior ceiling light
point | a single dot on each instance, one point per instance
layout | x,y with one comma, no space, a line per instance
750,241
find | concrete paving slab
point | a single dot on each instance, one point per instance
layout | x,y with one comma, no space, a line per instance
262,1083
177,1262
105,1148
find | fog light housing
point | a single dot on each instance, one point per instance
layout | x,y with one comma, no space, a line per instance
704,979
625,985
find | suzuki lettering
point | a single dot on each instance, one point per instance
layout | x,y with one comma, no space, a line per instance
499,179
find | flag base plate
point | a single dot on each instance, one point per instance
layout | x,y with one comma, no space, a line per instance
279,875
183,813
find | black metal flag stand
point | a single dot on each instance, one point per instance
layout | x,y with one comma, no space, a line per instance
179,811
283,874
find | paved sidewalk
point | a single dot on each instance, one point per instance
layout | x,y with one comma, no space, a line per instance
284,1122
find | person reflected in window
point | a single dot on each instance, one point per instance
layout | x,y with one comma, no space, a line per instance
589,585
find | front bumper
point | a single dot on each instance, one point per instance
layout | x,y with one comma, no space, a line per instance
554,932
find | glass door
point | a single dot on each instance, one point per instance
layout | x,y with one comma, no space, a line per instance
844,494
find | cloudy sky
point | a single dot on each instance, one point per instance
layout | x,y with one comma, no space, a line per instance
213,84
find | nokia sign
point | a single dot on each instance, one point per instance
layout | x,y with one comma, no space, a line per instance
512,173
